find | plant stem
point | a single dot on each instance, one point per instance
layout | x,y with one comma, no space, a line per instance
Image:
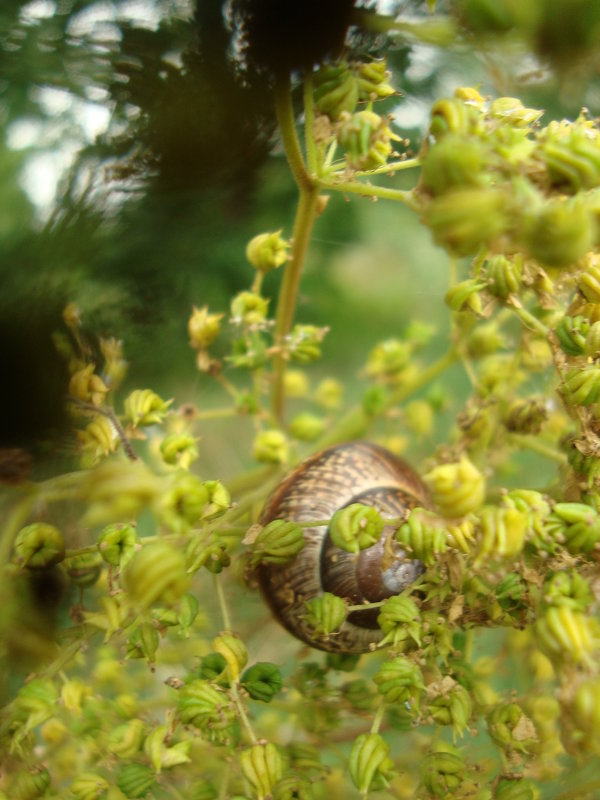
287,126
222,602
309,118
395,166
529,320
426,375
536,446
368,190
378,718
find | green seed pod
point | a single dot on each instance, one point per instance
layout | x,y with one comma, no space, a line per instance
370,765
399,619
84,570
329,393
219,499
360,695
162,753
73,694
453,115
39,546
271,447
143,642
262,766
510,728
454,708
582,386
387,359
585,709
355,527
278,542
336,90
262,681
575,524
572,161
367,139
136,780
249,308
510,591
560,233
212,668
296,383
233,651
526,415
125,741
203,328
248,352
88,387
516,789
342,662
568,589
423,535
155,576
502,532
464,296
373,79
209,709
457,489
592,341
179,449
144,407
202,790
589,279
30,785
183,503
303,343
504,274
512,110
293,787
307,427
325,614
89,786
454,162
209,554
465,220
116,544
566,634
461,536
188,611
400,681
267,251
571,333
442,772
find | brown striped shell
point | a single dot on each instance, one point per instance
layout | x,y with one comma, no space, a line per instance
356,472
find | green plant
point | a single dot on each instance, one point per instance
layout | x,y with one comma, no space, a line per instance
141,692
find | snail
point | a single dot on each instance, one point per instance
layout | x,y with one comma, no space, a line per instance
355,472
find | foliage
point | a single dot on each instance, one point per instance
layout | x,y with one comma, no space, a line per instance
127,669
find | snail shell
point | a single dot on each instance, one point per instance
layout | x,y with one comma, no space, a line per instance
355,472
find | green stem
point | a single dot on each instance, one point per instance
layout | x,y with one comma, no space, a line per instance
395,166
222,602
215,413
425,377
309,119
287,126
365,606
377,720
368,190
529,320
536,446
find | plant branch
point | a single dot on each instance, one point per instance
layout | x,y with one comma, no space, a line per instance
287,126
368,190
108,412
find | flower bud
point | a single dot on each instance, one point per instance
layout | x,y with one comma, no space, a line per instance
233,651
30,785
512,110
307,427
373,79
89,786
98,439
592,341
155,575
267,251
83,570
293,787
502,532
278,542
325,614
135,780
464,296
262,681
207,708
585,709
271,447
249,308
126,740
360,695
210,554
355,527
461,536
183,504
369,762
115,366
399,620
179,449
423,535
117,543
161,753
573,161
582,386
262,766
39,546
400,681
457,489
203,328
144,407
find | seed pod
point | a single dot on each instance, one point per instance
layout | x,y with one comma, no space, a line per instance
135,780
369,761
39,546
249,308
278,542
307,427
502,532
303,343
510,728
457,488
267,251
568,589
453,708
116,544
208,709
566,634
262,681
423,535
516,789
325,614
366,138
126,740
179,449
400,681
589,280
144,407
453,115
271,447
336,90
183,503
582,386
560,233
454,162
399,620
262,767
203,328
442,772
504,274
233,651
571,333
355,527
89,786
155,575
